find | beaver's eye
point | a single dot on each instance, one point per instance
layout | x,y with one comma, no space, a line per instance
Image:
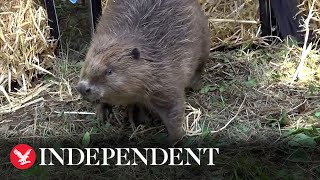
109,71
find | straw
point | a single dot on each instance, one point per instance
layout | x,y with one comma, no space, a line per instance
26,51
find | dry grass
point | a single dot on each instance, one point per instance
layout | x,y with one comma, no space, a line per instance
246,100
248,88
242,87
25,52
232,22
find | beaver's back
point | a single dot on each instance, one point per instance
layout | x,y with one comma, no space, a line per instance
173,32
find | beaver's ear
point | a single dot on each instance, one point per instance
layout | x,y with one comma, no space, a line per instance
135,53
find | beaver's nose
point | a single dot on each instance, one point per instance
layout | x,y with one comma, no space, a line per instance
83,88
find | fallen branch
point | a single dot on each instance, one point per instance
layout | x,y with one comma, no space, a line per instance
306,48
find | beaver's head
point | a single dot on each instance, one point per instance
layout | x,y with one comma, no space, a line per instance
114,74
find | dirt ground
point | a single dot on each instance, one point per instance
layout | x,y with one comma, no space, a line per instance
266,126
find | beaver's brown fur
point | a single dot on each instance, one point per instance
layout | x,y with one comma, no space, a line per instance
147,52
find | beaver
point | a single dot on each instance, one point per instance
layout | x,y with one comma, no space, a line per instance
147,52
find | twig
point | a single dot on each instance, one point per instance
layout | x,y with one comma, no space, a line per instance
5,94
140,130
10,110
233,118
233,21
194,128
35,121
74,112
298,105
306,49
227,124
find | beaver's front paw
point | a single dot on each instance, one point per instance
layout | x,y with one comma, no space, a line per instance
103,112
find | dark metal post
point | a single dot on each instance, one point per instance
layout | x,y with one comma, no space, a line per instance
53,19
267,19
279,18
95,12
